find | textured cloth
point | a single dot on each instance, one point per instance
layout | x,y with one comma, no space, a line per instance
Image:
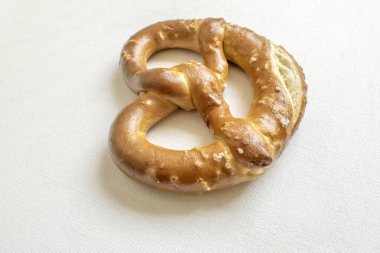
60,90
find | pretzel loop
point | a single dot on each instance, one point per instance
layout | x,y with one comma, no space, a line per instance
242,148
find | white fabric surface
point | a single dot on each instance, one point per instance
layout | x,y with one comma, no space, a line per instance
60,89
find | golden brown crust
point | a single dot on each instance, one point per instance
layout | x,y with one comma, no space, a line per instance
242,148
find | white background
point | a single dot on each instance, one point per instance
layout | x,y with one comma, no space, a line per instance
60,89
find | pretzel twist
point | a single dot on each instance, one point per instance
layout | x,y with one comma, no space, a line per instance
242,148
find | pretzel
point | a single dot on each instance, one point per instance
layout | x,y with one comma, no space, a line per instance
242,148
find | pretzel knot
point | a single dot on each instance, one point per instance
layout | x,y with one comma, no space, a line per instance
242,148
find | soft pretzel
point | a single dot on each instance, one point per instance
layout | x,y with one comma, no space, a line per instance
242,148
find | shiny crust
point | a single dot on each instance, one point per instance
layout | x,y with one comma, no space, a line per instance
242,148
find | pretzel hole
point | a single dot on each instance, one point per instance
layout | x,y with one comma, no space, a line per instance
181,131
239,91
170,57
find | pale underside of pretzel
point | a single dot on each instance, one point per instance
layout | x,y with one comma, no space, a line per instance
242,148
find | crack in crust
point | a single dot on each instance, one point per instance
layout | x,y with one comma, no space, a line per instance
242,148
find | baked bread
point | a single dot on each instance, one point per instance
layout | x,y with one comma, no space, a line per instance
242,148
